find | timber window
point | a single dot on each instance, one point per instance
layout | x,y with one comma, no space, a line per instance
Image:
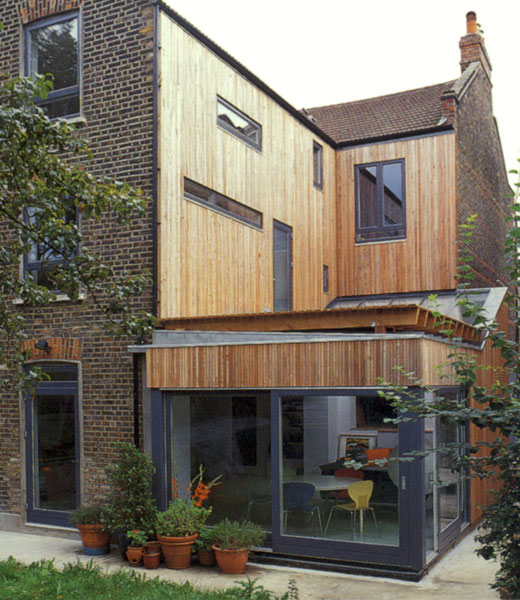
239,124
380,201
53,46
231,208
317,165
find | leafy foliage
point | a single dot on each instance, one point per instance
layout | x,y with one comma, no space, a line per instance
44,581
181,518
88,515
45,192
130,503
234,535
495,407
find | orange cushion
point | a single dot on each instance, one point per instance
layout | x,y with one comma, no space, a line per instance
377,454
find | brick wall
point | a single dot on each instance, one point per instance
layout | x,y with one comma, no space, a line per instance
117,102
482,181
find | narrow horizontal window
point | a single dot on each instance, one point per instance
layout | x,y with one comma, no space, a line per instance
317,165
240,125
380,201
223,204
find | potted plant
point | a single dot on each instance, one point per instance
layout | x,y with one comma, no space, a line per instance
178,527
232,542
130,502
136,540
204,548
91,522
152,554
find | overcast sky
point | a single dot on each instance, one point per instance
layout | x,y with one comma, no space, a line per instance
318,53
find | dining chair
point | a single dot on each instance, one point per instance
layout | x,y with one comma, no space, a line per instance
297,496
360,492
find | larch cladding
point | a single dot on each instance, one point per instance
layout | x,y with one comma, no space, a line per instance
117,103
482,186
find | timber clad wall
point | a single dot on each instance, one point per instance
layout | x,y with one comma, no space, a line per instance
308,365
211,264
426,259
117,102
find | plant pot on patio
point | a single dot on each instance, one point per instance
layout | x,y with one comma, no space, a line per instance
177,550
95,536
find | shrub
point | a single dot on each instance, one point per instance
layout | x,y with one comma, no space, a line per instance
88,515
232,535
182,518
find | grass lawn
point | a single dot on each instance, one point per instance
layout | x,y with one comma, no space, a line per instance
43,581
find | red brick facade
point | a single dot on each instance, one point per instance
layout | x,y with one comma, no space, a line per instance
117,103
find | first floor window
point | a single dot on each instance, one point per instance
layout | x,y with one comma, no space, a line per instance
317,165
44,257
380,201
239,124
52,46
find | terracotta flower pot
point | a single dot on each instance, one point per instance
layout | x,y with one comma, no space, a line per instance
134,555
151,560
177,550
231,562
95,539
206,558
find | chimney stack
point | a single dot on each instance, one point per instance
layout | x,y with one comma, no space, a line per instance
472,48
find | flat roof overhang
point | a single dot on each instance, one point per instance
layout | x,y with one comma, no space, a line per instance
381,319
317,360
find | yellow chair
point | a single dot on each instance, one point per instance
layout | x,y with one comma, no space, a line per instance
360,493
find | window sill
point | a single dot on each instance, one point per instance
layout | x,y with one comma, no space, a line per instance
59,298
372,242
78,120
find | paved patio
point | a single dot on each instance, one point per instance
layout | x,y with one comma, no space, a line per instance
460,575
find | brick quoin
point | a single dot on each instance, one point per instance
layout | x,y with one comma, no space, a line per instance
117,103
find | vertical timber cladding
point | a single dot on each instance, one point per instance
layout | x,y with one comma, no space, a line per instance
211,264
339,364
426,259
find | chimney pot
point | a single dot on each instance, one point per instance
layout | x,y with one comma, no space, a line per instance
471,22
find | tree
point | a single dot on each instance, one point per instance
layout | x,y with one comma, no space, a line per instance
495,407
45,191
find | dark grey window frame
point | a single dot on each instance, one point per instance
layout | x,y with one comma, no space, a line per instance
33,268
317,169
257,145
211,203
326,289
387,232
64,93
51,387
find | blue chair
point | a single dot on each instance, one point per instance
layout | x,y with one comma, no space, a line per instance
297,497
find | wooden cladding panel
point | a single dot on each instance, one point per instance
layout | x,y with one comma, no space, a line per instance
319,364
492,359
210,264
426,259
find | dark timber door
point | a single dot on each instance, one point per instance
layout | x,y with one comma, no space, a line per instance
282,266
52,447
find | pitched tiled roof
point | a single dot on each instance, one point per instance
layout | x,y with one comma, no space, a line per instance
385,116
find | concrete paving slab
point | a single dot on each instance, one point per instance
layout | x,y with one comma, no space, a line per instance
460,575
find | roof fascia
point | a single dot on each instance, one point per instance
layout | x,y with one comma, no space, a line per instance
246,73
402,137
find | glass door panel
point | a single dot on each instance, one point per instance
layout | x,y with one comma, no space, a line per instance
52,447
54,474
228,435
320,497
